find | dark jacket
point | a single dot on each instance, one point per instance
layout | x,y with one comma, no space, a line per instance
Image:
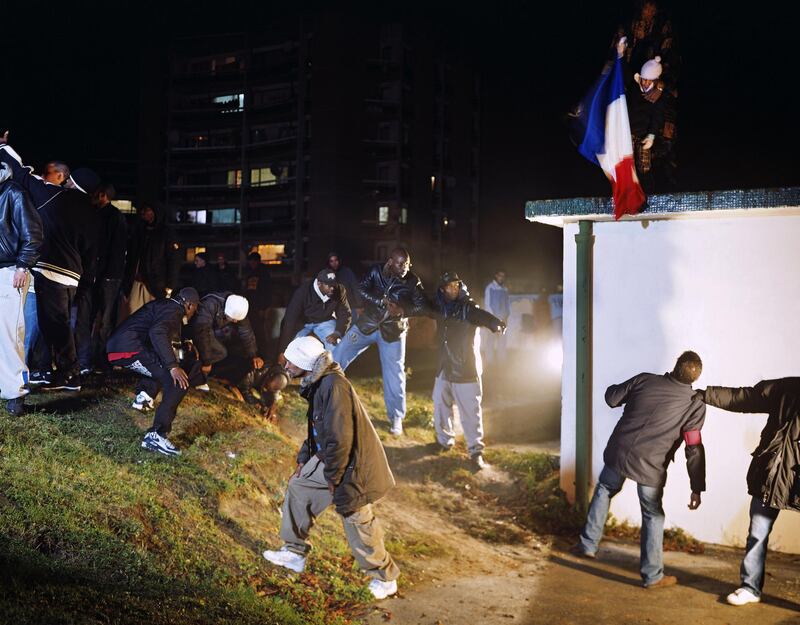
204,279
225,279
774,474
340,433
646,112
307,307
378,285
151,258
20,228
659,410
348,280
69,223
257,287
112,244
457,325
154,327
209,325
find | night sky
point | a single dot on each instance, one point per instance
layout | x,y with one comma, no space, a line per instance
72,84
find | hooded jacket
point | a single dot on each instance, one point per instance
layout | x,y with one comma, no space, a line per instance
154,327
407,292
151,257
660,413
774,473
20,228
210,323
306,306
341,434
457,325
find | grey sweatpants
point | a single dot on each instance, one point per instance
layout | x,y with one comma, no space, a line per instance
307,496
467,398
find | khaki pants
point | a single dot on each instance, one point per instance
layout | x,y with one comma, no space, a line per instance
467,398
307,496
139,296
12,335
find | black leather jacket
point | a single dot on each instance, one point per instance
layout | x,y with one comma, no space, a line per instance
457,323
20,228
407,292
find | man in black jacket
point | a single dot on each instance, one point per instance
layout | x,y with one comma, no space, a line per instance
225,340
100,299
318,307
150,267
342,462
773,480
459,374
143,343
390,294
345,277
661,412
20,240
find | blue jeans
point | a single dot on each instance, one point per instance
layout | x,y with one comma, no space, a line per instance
609,483
31,328
762,518
321,330
393,358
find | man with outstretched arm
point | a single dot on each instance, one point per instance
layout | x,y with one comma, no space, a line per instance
341,462
773,481
661,412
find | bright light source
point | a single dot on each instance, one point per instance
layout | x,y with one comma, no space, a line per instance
554,355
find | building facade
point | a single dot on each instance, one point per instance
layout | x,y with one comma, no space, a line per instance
316,135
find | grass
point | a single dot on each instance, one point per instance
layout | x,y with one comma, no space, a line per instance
96,530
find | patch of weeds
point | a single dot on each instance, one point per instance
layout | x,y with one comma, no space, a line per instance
675,538
415,545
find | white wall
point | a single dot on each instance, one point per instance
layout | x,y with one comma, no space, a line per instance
726,288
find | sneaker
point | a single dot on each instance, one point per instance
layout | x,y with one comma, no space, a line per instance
478,462
64,383
381,589
86,370
40,377
153,441
578,550
203,387
742,596
287,559
16,406
143,402
397,428
664,582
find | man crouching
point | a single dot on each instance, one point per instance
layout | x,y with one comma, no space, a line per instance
342,462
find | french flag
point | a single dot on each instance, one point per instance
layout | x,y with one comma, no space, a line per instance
606,139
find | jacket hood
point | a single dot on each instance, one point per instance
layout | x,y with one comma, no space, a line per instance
322,367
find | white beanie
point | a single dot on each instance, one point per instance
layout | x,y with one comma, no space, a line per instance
236,307
304,351
651,70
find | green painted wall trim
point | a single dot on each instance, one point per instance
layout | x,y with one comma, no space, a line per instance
584,241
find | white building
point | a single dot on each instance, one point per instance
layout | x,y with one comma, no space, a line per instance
715,272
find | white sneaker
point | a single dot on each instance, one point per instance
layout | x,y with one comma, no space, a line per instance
381,590
397,428
143,402
287,559
742,596
153,441
203,387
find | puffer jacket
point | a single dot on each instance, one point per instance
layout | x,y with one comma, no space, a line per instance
341,435
457,325
406,292
20,228
209,325
774,473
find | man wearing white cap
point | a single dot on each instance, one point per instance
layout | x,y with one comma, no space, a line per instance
225,340
646,113
341,462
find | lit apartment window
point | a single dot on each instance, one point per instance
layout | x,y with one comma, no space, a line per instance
262,177
125,206
234,177
383,215
403,215
271,254
196,217
225,216
191,252
230,103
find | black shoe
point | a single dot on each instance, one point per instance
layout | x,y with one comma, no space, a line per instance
16,406
37,378
578,550
64,383
478,462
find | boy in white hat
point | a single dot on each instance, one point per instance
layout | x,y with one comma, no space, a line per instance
646,113
341,462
